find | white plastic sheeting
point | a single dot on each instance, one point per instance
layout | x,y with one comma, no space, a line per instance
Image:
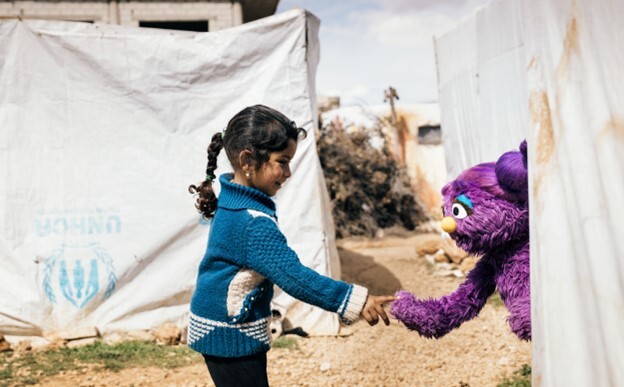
575,62
560,85
482,86
102,129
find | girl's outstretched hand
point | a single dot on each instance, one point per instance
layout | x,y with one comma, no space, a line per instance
373,309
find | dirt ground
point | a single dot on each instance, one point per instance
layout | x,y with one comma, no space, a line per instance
480,353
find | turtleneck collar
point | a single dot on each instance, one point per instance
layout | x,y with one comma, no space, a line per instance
236,197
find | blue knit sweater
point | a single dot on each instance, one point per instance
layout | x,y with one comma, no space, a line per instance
246,255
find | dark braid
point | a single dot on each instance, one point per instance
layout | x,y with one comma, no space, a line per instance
216,144
207,200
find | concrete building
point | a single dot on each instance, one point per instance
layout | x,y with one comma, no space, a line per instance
189,15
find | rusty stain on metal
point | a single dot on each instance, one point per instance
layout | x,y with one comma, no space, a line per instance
540,114
613,128
570,47
539,108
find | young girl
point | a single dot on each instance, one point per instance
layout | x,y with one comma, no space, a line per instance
247,253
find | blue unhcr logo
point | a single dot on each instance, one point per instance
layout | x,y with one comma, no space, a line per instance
77,221
79,273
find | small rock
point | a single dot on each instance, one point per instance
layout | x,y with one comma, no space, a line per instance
184,336
325,366
441,257
140,335
168,334
443,273
41,344
72,333
113,338
57,344
428,247
455,254
458,273
81,342
4,345
23,346
445,266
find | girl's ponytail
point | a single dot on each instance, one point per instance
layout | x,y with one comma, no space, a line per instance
207,200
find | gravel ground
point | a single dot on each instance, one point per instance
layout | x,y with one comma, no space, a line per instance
482,352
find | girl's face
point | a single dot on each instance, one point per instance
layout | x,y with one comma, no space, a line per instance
275,171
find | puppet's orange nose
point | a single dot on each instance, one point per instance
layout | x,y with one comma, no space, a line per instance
448,224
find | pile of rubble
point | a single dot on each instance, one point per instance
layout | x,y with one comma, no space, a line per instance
447,259
369,191
166,334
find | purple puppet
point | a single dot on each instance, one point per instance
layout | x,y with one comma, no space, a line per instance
486,212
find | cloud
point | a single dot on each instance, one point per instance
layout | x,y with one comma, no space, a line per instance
412,23
453,8
406,29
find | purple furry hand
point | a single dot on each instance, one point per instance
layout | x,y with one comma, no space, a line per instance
422,316
434,318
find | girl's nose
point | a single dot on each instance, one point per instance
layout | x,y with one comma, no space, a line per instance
448,224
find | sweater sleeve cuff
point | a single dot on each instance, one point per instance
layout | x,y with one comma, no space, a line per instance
355,301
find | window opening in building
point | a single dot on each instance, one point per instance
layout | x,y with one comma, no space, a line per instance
181,25
429,135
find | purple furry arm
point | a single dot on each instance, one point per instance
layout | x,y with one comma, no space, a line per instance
514,285
434,318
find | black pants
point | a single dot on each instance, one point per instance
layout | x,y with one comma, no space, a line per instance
249,371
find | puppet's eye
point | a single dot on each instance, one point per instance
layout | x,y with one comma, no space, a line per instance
459,211
443,212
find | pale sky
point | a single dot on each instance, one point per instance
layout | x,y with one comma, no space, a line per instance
368,45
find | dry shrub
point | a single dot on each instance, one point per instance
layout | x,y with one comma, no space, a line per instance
368,189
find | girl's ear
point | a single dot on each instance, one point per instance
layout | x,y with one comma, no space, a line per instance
245,160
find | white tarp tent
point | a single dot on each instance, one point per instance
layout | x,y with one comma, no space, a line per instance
551,72
102,129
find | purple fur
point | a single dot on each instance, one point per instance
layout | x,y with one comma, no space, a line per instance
497,230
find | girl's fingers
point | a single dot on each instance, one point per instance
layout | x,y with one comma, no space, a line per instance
385,299
374,309
366,315
370,317
382,313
